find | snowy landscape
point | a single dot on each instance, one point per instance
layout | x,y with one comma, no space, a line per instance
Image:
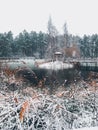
24,106
48,65
92,128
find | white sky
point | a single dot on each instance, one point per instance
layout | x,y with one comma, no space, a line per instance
80,15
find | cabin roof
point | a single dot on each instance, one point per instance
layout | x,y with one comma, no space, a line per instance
58,53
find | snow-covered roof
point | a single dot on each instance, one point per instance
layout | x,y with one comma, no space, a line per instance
58,53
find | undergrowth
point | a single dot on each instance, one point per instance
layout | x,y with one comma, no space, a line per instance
24,106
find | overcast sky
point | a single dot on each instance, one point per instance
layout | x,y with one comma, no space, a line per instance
80,15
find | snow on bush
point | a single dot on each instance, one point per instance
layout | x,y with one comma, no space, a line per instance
34,108
88,128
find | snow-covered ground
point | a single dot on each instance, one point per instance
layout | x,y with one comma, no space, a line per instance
36,108
56,65
88,128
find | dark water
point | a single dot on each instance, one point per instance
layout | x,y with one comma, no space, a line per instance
58,77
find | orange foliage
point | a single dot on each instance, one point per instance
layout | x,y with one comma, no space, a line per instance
35,96
24,107
60,94
57,108
94,84
8,72
16,100
69,51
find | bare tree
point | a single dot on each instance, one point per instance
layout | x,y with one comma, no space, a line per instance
66,35
52,38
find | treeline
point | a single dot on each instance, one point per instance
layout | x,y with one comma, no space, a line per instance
43,45
89,46
39,45
25,44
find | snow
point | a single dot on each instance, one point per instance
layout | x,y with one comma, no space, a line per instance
67,108
90,128
56,65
